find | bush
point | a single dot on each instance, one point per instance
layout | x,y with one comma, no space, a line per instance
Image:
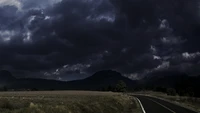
171,91
121,86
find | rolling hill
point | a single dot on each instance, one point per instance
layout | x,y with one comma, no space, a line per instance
97,81
182,83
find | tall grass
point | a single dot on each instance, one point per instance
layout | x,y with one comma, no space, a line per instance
66,102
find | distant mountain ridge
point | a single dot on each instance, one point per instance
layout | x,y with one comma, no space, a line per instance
107,78
97,81
6,75
6,78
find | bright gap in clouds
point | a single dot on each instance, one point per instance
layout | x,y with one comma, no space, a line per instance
16,3
5,35
20,4
108,18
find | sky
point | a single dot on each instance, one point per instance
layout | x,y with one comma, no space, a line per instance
72,39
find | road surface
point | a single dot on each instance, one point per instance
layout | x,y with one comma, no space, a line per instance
154,105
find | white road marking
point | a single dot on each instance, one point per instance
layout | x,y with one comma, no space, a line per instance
141,105
162,106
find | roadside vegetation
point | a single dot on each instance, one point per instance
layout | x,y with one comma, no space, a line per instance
67,102
185,101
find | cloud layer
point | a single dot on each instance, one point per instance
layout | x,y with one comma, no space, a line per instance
71,39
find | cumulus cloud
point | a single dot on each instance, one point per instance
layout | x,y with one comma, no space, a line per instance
172,40
164,24
163,66
187,55
133,37
69,72
156,57
133,76
6,35
24,5
153,49
106,17
15,3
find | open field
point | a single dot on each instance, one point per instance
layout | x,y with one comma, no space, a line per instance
187,102
67,102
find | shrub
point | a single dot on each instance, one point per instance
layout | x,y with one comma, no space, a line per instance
121,86
171,91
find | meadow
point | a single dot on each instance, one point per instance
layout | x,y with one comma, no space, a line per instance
67,102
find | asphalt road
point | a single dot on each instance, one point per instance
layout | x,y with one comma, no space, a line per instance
154,105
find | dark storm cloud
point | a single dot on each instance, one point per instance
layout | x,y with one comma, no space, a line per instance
72,39
8,13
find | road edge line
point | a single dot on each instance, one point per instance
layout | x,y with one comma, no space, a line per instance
162,105
141,105
171,102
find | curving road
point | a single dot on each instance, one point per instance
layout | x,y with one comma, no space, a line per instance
154,105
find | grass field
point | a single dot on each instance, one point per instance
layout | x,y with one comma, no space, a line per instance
188,102
67,102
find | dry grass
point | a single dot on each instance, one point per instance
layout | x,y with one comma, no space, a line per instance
67,102
188,102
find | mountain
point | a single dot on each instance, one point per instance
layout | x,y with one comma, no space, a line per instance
184,84
39,84
97,81
167,79
103,79
6,78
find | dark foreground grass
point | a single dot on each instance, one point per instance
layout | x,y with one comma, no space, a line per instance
67,102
